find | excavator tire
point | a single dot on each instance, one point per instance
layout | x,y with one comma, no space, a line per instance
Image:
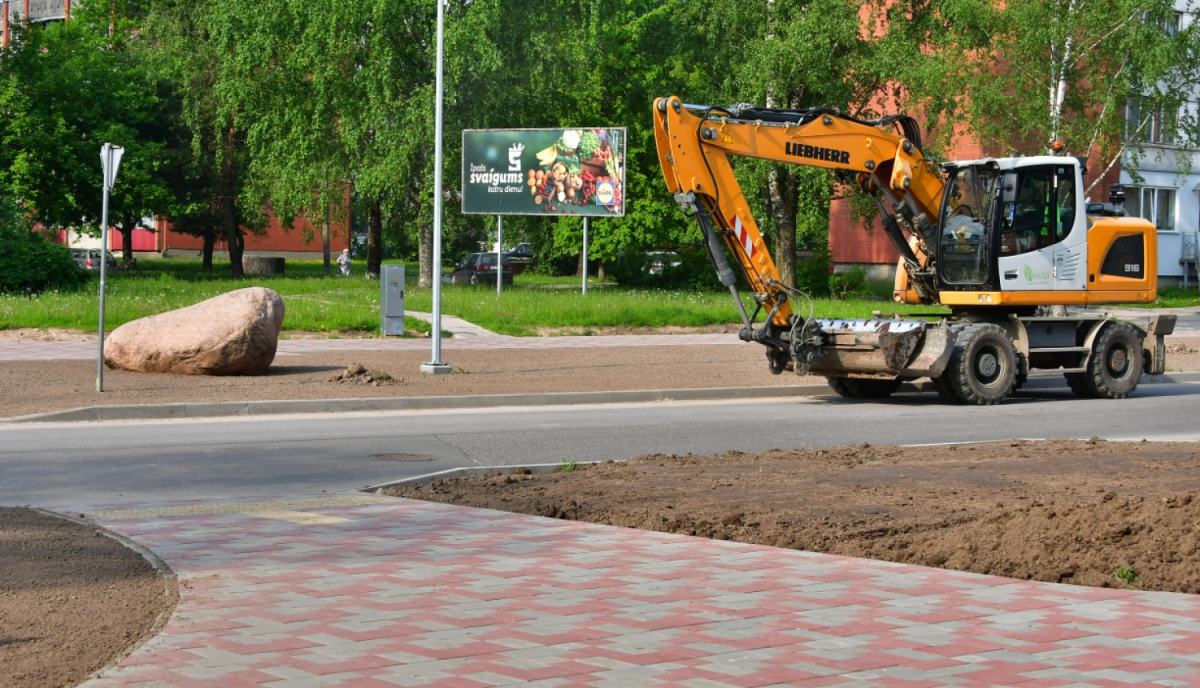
942,384
1115,366
858,388
983,366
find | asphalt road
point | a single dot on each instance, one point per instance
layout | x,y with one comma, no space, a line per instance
96,463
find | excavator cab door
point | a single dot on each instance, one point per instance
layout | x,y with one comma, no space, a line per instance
966,227
1043,231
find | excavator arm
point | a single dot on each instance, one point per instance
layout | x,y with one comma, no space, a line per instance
694,145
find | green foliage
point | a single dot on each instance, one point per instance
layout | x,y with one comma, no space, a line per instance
812,276
65,89
842,284
1126,575
1026,73
30,263
568,464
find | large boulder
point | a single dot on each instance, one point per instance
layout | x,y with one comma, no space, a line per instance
231,334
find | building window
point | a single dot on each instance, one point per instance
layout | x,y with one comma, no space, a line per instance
1155,205
1149,124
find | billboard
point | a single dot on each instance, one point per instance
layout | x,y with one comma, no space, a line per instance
544,172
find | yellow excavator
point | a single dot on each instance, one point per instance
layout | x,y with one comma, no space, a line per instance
998,240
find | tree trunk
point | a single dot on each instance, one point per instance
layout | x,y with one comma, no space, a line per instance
374,237
126,230
579,267
325,239
782,193
600,270
233,237
206,256
425,267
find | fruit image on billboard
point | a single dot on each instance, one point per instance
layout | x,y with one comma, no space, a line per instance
559,172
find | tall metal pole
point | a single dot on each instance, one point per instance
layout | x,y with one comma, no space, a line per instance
107,153
436,365
499,254
585,266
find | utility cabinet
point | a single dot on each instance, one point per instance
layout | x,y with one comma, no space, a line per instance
391,300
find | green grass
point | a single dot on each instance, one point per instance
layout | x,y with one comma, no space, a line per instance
1171,297
317,303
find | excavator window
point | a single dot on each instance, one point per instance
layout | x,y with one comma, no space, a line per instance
1044,211
966,225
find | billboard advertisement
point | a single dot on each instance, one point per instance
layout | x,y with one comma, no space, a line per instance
544,172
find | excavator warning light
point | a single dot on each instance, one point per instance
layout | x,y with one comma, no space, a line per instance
1057,146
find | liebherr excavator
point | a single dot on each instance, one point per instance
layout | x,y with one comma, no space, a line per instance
997,240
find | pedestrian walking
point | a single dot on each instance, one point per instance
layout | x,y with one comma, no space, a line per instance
344,263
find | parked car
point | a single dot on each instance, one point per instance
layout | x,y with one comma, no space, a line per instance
519,257
521,251
479,268
90,258
657,262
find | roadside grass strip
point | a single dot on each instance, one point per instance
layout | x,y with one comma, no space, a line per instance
319,303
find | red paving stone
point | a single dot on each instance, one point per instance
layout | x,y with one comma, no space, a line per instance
409,593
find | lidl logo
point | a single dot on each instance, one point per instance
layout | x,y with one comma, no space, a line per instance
605,193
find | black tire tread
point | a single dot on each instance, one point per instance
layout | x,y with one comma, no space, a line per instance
959,370
859,388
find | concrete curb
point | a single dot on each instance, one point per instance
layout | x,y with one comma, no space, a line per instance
473,470
267,408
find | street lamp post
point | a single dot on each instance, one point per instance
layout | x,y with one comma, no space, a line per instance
436,365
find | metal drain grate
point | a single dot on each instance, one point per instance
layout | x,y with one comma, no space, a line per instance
409,458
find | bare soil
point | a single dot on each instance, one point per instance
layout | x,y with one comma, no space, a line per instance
39,386
73,599
1091,512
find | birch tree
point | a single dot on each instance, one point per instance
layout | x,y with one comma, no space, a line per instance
1029,76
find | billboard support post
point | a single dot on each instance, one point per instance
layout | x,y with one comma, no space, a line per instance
499,254
436,365
585,265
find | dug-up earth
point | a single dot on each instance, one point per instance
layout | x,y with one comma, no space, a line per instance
71,599
39,386
1090,513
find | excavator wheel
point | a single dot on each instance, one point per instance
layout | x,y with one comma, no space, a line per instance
983,366
1115,365
942,384
859,388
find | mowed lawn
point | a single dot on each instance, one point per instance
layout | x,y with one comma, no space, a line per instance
319,303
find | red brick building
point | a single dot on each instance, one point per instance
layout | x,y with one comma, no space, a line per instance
301,242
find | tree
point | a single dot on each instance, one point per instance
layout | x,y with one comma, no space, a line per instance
1028,74
185,47
68,88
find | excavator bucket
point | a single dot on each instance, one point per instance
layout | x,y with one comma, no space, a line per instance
879,347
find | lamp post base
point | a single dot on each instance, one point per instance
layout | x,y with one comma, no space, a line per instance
437,368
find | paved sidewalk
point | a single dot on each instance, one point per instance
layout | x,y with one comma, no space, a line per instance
357,590
43,351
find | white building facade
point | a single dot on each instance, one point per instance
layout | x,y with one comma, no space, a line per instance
1166,187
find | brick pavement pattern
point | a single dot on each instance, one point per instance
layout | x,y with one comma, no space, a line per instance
377,592
45,351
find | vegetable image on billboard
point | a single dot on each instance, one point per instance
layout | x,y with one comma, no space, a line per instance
544,172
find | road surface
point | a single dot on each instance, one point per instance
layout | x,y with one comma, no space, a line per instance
48,464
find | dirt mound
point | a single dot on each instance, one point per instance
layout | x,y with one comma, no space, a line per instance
73,599
1090,513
